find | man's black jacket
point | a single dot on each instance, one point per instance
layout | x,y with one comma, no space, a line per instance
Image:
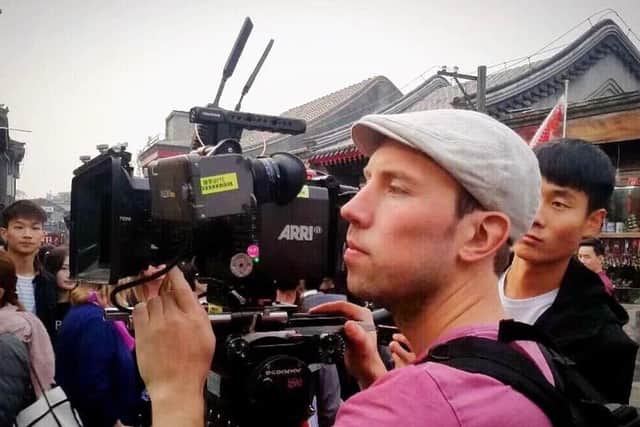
586,323
45,293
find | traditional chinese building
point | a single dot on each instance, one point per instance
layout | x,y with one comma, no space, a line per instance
603,69
11,154
55,228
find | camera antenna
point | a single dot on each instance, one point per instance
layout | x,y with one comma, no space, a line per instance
232,61
249,83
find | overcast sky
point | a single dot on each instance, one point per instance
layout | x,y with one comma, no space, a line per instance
78,73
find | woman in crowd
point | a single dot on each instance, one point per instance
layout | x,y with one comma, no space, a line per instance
95,366
43,252
56,262
147,290
25,326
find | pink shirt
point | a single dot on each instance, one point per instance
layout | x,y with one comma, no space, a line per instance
608,286
432,394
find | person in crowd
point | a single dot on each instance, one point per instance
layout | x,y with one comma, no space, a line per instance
327,391
132,297
94,365
56,262
547,287
148,289
288,292
26,326
327,285
22,230
15,384
591,254
313,297
43,252
446,191
401,351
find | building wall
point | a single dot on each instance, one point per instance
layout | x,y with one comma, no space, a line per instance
178,127
11,154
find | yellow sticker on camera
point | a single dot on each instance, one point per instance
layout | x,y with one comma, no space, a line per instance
218,183
304,193
214,309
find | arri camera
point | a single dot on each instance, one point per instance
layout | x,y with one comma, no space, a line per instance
246,224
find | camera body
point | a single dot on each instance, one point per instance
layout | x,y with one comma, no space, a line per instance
218,211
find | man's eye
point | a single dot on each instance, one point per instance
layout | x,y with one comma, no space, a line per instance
559,205
395,189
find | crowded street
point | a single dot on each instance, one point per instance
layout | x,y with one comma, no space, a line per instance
323,213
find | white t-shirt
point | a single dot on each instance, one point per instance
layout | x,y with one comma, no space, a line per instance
26,296
526,310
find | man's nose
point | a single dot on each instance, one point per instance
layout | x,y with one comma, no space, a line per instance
539,218
358,210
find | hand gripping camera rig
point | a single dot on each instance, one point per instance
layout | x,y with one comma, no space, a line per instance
246,224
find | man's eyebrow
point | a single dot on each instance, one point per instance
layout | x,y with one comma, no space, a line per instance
561,192
393,173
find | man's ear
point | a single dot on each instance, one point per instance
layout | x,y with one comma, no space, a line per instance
485,233
3,233
593,225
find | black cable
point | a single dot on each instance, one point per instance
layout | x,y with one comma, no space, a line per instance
140,281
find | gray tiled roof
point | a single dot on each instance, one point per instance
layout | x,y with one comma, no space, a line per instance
316,108
311,111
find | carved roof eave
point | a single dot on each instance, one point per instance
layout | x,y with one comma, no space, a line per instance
574,60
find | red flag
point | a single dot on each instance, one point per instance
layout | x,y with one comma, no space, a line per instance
551,127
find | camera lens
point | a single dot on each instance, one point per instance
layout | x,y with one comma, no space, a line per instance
278,178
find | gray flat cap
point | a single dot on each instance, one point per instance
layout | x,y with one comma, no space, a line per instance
487,158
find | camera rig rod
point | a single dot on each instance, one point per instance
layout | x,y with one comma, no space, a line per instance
249,121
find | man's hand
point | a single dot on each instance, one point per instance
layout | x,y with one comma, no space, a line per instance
401,356
153,287
362,359
174,347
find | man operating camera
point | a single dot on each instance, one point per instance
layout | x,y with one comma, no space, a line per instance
446,192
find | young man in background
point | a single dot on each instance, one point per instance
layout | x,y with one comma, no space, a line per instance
547,287
23,233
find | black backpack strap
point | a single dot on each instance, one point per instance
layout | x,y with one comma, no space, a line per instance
564,369
510,330
501,361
